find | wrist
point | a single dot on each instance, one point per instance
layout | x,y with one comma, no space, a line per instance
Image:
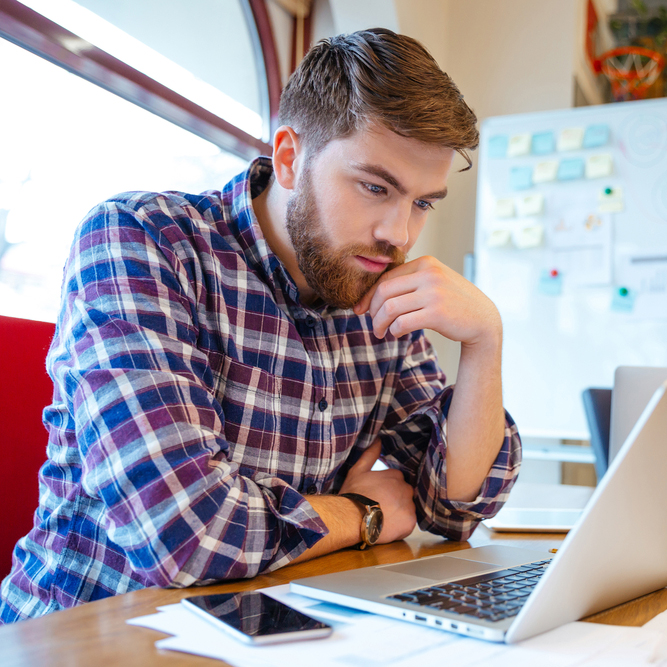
488,342
372,519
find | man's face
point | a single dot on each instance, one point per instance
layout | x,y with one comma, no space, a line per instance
359,207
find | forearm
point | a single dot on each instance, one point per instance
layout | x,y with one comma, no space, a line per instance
342,518
476,419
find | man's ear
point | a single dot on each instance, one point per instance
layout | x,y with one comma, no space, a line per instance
287,156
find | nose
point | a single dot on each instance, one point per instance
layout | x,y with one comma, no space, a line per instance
394,228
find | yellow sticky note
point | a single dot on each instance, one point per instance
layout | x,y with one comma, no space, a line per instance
570,139
610,199
498,238
529,236
545,171
519,144
598,166
531,205
504,208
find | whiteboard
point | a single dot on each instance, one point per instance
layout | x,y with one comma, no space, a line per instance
571,245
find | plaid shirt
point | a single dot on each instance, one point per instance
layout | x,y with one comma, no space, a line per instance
197,404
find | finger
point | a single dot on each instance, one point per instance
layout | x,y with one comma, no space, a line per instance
408,322
393,309
394,288
403,269
367,459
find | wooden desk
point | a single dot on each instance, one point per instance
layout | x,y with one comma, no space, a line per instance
96,633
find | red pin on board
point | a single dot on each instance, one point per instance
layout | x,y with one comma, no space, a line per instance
554,273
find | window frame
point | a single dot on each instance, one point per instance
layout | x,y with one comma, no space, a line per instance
36,33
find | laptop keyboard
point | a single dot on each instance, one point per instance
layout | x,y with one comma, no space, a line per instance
489,597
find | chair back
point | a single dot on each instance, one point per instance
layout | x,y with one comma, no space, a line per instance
25,390
597,405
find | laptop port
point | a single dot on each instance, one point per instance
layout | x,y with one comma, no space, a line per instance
420,618
437,622
454,626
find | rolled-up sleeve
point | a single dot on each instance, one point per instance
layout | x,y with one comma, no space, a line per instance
149,427
414,440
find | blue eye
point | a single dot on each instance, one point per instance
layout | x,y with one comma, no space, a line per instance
424,205
374,189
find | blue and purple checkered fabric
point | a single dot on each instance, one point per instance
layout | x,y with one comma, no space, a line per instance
197,404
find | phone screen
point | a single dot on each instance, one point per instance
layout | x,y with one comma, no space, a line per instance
257,616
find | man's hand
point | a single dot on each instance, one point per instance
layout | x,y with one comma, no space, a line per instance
343,516
389,489
426,294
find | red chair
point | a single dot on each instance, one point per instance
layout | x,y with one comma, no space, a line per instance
25,390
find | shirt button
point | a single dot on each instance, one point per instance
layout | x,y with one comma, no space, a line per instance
311,321
323,405
312,490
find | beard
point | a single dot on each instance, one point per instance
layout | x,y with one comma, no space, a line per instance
324,267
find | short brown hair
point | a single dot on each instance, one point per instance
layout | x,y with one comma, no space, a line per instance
347,81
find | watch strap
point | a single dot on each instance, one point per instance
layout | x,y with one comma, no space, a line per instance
362,500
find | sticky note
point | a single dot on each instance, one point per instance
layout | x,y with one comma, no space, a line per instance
549,284
505,208
570,139
498,146
569,170
623,300
519,144
596,136
531,205
545,171
498,238
610,199
521,178
598,166
543,143
529,236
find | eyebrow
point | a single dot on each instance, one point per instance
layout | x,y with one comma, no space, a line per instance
382,173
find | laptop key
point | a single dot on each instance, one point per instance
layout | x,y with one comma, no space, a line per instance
449,604
515,604
404,597
463,609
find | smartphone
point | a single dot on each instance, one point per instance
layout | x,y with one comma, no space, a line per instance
255,618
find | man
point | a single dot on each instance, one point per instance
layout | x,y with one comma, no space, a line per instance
227,365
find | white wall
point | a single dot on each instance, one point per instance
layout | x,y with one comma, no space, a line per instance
506,57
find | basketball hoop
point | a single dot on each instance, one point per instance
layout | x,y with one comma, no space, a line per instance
631,70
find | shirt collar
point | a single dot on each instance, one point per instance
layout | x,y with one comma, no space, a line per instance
259,256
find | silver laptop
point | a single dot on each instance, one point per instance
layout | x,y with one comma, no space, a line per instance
615,552
633,388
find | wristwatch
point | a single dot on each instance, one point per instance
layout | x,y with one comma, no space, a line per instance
371,524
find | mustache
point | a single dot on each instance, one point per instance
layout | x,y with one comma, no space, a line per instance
380,249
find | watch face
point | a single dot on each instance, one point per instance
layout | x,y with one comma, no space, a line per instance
374,526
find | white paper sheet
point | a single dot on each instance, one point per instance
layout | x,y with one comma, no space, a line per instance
580,243
366,640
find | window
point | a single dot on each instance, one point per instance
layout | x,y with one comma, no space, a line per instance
66,144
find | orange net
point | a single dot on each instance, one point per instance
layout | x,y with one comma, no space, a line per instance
631,70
